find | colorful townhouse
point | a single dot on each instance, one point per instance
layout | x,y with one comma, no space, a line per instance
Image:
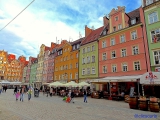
45,66
122,50
23,63
39,75
24,73
3,64
151,10
34,64
29,69
88,55
50,71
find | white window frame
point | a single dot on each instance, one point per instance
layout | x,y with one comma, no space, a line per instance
83,50
113,53
93,47
76,55
104,69
153,17
148,2
83,60
119,26
88,59
133,21
124,67
114,28
93,70
88,71
70,75
123,52
112,41
83,71
104,56
114,68
122,38
93,59
76,75
155,35
156,57
133,35
103,44
88,49
137,66
135,50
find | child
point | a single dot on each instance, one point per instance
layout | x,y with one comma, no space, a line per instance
17,95
29,94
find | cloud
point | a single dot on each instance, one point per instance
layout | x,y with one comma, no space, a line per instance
45,20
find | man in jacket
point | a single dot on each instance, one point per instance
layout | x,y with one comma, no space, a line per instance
72,96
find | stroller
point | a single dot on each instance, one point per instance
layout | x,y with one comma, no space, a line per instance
36,93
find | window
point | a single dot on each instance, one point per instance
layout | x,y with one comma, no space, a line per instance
93,70
135,50
76,75
116,18
70,75
83,72
149,2
123,51
104,69
93,59
124,67
119,26
133,21
70,66
78,46
114,68
77,55
134,35
83,50
114,29
103,44
88,49
122,37
73,47
112,41
76,65
88,71
113,54
88,59
104,32
93,48
83,61
153,17
104,56
136,66
155,35
156,57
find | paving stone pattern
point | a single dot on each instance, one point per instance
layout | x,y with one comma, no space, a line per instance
53,108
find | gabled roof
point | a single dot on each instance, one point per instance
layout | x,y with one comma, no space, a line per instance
134,14
93,36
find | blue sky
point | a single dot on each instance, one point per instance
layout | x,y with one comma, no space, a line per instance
44,20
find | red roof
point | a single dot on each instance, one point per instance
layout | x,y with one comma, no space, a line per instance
93,36
46,48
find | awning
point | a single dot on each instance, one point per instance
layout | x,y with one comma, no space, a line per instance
117,79
150,78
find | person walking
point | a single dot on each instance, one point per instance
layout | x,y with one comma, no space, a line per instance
22,93
29,93
17,95
15,90
0,88
85,96
51,91
72,96
47,90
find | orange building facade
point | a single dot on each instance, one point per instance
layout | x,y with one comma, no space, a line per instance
66,62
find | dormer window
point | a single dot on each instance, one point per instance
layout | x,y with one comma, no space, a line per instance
116,18
133,21
104,32
73,47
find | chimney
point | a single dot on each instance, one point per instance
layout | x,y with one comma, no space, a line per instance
105,21
87,31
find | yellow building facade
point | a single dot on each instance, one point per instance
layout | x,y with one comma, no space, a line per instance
66,62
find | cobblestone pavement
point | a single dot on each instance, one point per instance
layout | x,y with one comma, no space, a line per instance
53,108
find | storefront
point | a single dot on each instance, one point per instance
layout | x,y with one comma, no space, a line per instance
150,84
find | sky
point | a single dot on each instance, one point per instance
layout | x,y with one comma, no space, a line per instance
46,21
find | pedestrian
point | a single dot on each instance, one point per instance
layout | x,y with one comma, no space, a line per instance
22,93
51,91
0,88
29,94
72,96
85,96
15,90
17,95
47,91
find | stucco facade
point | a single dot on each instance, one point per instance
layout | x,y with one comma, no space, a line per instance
34,64
152,19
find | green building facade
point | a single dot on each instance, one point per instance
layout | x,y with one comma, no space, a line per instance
152,18
33,71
